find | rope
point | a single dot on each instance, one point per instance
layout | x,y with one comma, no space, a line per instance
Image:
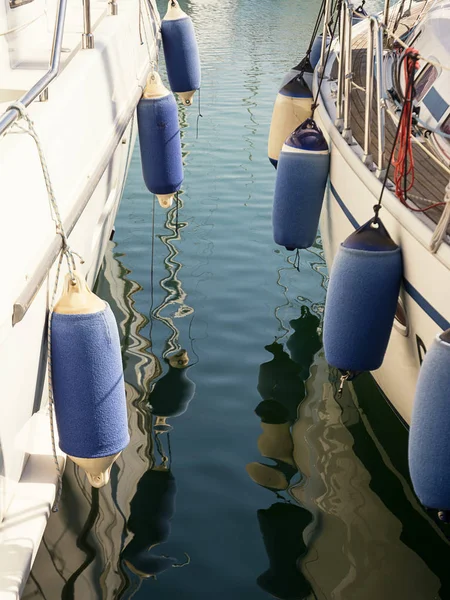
316,28
337,13
304,64
403,152
66,253
199,111
440,231
403,159
51,400
296,263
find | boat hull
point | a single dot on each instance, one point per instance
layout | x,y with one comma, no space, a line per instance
350,195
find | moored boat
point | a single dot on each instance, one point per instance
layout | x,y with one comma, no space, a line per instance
80,110
361,89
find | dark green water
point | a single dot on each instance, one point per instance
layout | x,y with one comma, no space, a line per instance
259,478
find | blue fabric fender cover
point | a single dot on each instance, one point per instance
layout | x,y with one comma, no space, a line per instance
181,54
429,439
360,307
160,143
302,173
88,384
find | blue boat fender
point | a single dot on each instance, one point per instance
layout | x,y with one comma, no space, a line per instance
181,52
160,141
302,174
316,50
88,383
429,441
362,299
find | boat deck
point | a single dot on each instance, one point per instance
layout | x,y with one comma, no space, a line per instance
430,179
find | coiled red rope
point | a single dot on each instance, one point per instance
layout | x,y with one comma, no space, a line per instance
403,158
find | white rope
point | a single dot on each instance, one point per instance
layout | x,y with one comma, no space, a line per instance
66,253
441,228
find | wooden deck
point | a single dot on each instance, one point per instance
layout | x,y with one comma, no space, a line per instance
430,179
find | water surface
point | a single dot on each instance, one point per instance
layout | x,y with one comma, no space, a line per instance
246,477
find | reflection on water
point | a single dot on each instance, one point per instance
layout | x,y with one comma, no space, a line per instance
281,384
282,490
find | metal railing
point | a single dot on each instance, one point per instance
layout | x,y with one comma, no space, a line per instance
374,81
40,88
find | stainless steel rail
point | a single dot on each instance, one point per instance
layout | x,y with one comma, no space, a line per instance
87,38
375,53
11,115
348,16
386,12
40,89
367,158
381,101
34,284
339,122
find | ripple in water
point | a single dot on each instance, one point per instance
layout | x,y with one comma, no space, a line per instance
245,477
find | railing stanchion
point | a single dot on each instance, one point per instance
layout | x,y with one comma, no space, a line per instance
113,8
87,38
386,12
381,101
367,158
347,132
326,19
339,123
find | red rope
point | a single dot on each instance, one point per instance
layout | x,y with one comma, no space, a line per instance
403,159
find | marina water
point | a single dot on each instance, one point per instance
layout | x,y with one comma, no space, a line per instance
323,509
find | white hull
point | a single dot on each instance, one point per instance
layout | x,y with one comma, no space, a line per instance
351,194
87,128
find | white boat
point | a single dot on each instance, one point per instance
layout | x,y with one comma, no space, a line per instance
78,71
360,127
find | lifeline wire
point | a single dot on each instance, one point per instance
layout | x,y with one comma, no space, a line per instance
69,255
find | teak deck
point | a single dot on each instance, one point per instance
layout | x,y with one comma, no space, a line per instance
430,179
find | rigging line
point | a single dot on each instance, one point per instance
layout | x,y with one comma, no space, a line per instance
68,591
169,449
377,206
316,27
152,264
192,343
337,19
199,111
391,34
